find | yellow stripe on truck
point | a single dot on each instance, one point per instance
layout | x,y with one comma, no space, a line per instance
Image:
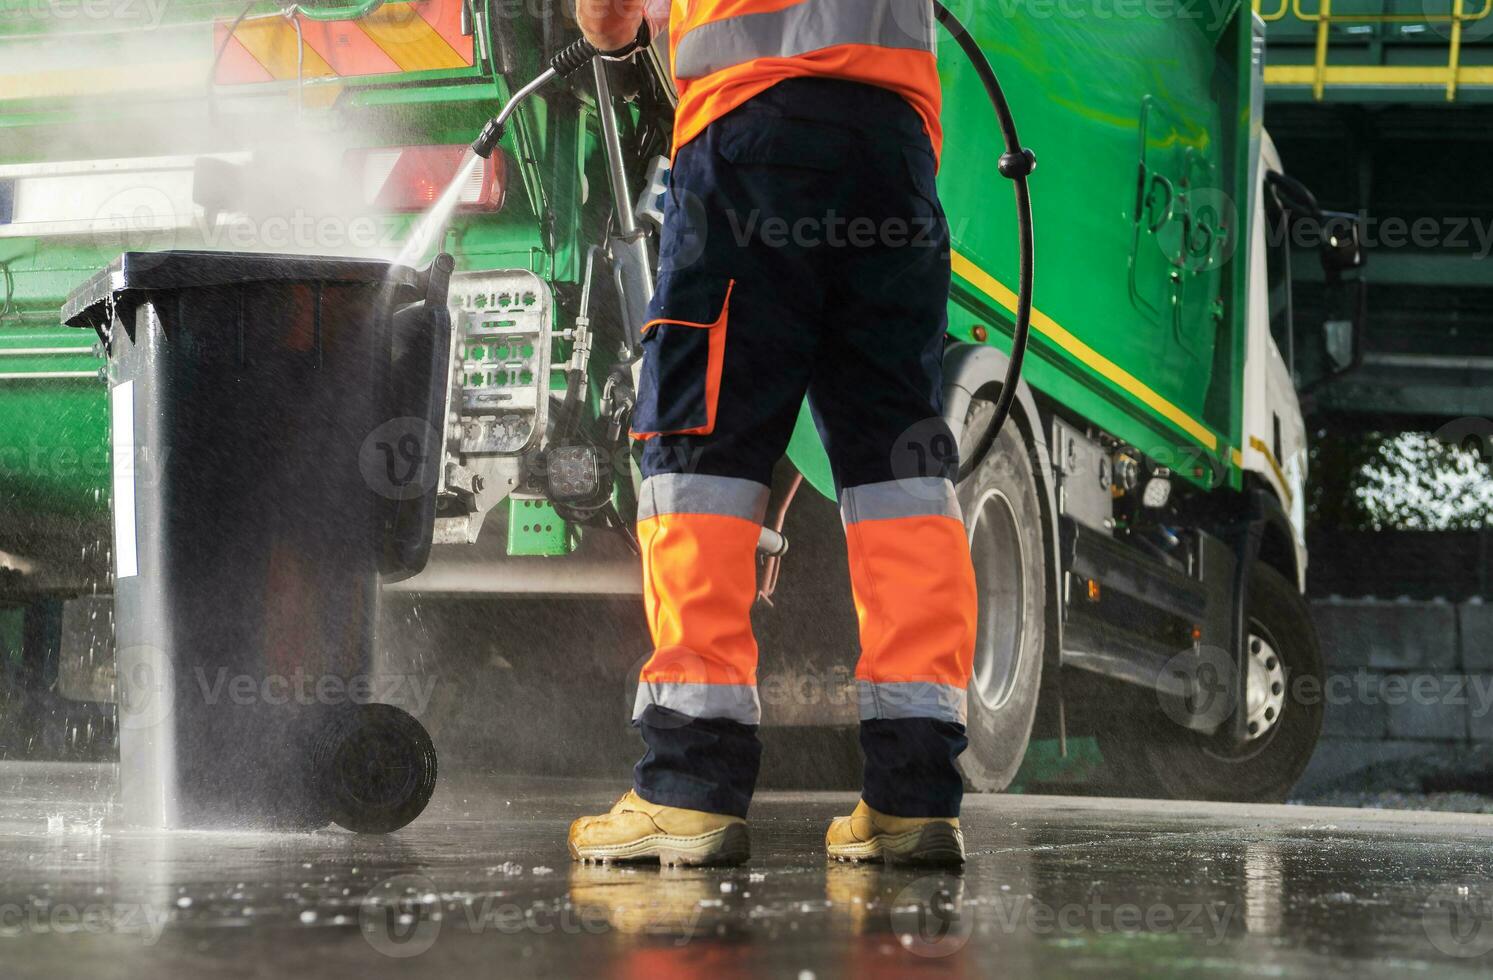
1046,325
1259,446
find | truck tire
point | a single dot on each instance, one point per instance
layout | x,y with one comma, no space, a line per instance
1004,518
1164,760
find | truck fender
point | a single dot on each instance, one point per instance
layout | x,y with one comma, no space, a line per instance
972,370
1278,544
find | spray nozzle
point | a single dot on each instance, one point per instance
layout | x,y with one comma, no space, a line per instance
492,135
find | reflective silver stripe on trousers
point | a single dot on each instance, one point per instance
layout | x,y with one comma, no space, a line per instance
689,493
922,497
808,26
912,699
736,702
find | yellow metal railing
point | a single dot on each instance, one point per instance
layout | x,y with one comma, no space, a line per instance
1285,8
1320,74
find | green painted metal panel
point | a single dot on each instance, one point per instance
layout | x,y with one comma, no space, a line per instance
1138,196
1046,764
807,453
53,423
535,529
1141,127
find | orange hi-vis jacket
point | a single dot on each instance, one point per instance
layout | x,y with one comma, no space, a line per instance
725,52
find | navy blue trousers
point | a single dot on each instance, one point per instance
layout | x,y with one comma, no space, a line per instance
812,214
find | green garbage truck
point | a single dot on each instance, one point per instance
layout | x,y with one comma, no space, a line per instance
1137,528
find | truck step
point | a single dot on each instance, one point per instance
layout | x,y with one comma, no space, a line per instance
1090,554
1121,655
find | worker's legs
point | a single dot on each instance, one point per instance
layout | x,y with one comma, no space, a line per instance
877,395
700,515
802,241
726,366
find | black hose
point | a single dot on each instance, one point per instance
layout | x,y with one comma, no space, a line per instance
581,52
570,408
1016,164
566,62
573,57
1298,193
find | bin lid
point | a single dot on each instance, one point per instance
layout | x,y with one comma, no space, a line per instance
91,304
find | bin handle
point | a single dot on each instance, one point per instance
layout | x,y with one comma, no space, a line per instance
418,390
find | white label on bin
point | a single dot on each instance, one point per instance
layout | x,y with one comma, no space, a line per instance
122,412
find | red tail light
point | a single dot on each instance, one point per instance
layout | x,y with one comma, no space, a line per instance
411,178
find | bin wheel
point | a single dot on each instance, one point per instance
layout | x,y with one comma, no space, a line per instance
376,767
1004,518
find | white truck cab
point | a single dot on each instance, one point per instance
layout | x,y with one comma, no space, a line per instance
1274,443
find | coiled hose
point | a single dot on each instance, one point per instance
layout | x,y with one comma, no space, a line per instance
1016,165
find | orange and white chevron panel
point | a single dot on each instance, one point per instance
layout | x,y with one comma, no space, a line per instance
423,35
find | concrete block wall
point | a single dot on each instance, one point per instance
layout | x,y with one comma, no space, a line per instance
1405,678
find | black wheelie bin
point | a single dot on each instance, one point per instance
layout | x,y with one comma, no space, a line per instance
276,440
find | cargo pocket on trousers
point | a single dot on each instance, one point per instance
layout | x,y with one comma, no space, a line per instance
684,355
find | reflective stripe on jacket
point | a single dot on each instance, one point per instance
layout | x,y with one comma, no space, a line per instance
725,52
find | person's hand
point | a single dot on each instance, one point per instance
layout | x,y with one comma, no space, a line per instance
610,24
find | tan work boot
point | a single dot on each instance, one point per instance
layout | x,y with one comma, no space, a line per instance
869,835
636,830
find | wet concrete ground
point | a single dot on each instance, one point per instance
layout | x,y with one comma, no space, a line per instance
481,886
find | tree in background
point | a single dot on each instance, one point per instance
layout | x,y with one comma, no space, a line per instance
1407,481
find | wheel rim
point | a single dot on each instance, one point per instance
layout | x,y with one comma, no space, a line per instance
999,555
1265,700
1265,688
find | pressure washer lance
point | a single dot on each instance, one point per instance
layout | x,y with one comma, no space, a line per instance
567,62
